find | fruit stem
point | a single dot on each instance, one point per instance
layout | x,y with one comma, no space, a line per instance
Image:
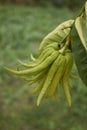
65,46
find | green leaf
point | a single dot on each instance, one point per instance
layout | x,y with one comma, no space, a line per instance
79,46
86,13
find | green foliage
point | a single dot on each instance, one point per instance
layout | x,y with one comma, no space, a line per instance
79,45
71,4
80,56
58,3
21,31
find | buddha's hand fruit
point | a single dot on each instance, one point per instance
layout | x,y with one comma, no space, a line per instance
52,66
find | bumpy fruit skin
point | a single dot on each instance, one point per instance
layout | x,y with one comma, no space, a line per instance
51,67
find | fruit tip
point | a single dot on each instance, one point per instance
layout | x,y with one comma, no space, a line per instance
38,102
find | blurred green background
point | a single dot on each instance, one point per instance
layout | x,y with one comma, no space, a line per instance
23,24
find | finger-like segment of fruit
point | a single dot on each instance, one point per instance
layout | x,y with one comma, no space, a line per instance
66,76
35,61
38,88
36,69
23,64
69,64
38,61
66,88
41,57
59,67
38,77
79,47
48,80
46,53
58,34
32,57
56,94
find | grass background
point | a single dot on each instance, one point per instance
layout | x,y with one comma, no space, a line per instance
21,31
